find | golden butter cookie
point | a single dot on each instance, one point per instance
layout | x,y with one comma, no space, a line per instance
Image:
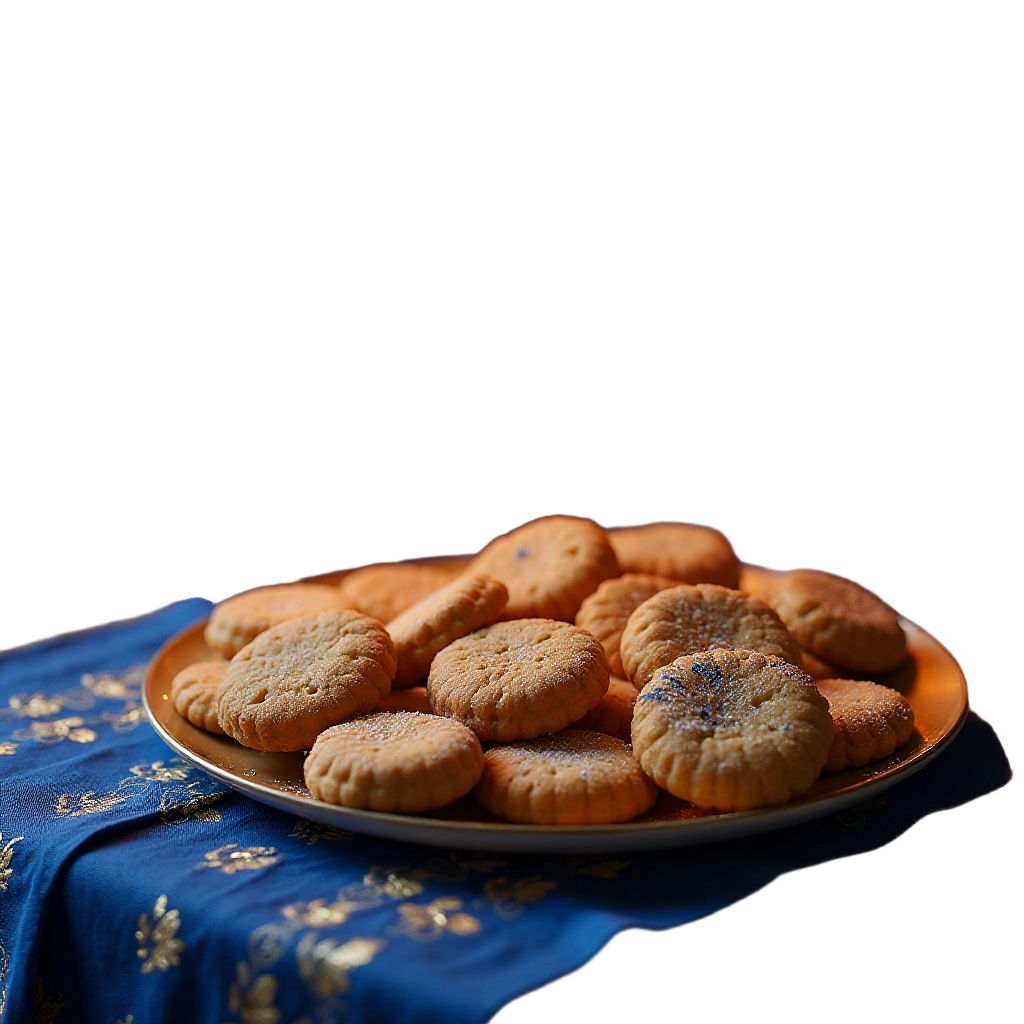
412,699
815,667
296,679
453,611
549,566
688,619
607,610
385,591
870,720
682,551
194,693
239,619
840,621
574,777
732,729
614,712
758,582
516,680
402,762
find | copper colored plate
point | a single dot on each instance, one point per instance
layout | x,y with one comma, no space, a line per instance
930,680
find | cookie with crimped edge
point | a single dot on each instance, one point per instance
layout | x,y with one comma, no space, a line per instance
240,619
414,698
404,762
688,619
607,610
456,609
296,679
386,590
516,680
575,777
194,693
549,566
732,729
870,720
682,551
614,712
840,621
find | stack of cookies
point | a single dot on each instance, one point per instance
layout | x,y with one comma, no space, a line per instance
562,677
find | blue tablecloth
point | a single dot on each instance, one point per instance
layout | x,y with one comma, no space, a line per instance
135,888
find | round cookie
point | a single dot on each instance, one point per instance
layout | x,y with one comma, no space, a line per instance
607,610
682,551
385,591
614,713
194,693
732,729
758,582
549,566
240,619
517,680
403,762
296,679
412,699
453,611
572,778
840,621
688,619
871,721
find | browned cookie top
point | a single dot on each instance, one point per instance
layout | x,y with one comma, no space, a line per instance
682,551
385,591
871,721
194,693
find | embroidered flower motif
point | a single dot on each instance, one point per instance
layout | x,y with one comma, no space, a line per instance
509,898
388,882
124,687
325,966
427,923
71,805
45,1009
56,731
35,705
175,771
159,947
313,832
252,999
232,858
6,856
8,748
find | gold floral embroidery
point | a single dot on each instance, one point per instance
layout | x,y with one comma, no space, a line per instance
313,832
196,805
70,805
508,899
36,705
127,1020
325,966
156,937
458,865
426,923
130,717
8,748
127,686
253,998
6,856
267,944
232,858
388,882
45,1008
4,965
175,771
55,732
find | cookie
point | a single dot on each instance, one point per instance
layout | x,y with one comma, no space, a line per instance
239,619
871,721
412,699
517,680
614,712
549,566
732,729
840,621
453,611
815,667
385,591
402,762
296,679
607,610
572,778
758,582
194,693
688,619
682,551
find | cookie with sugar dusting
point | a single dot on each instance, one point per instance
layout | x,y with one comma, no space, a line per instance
688,619
458,608
732,729
840,621
682,551
870,720
517,680
574,777
614,712
296,679
413,698
549,566
240,619
607,610
404,762
384,591
194,693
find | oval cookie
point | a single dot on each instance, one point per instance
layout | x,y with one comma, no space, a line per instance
682,551
516,680
403,762
870,720
385,591
840,621
688,619
296,679
732,730
549,566
455,610
574,777
194,693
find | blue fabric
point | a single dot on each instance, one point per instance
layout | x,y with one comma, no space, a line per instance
134,887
